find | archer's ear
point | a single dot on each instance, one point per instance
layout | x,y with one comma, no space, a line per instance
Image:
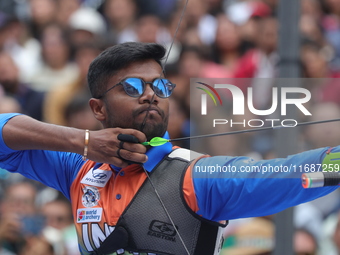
98,109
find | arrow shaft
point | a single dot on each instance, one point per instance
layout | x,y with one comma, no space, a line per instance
253,130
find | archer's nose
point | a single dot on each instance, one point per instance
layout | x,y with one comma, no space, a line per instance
149,95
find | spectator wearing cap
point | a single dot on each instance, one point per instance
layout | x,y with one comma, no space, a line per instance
87,25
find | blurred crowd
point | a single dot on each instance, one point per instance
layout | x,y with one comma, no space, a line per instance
46,47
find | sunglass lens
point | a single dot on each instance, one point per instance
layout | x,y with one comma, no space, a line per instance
134,87
163,87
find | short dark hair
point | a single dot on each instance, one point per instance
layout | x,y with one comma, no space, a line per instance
117,57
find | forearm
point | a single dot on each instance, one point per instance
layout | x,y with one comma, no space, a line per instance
25,133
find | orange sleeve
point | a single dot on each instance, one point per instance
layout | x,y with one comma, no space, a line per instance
189,191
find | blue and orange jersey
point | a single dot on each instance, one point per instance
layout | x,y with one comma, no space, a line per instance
217,188
99,196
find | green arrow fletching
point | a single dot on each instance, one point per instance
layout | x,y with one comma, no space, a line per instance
156,141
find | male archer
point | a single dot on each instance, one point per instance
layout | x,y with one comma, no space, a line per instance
131,199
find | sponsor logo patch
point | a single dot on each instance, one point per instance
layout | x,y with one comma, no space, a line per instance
162,230
96,177
90,197
89,215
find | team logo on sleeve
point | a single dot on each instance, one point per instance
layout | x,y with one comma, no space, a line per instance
90,197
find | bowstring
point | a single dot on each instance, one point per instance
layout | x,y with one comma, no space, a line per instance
166,211
166,60
144,122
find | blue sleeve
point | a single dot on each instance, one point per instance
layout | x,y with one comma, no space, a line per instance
237,187
54,169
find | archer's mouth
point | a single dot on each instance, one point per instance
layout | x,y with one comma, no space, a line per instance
151,111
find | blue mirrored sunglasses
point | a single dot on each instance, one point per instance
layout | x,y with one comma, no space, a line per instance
135,87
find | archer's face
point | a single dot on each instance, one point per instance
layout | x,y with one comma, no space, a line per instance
125,111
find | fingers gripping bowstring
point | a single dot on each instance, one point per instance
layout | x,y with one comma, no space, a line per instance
144,121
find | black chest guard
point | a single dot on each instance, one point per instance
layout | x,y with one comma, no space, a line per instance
144,226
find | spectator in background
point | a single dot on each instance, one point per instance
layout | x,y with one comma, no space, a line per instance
192,38
161,8
18,216
3,29
30,100
58,213
215,7
149,29
37,246
191,62
78,114
56,52
331,27
255,237
86,25
65,9
329,134
227,46
314,62
196,62
120,16
246,13
59,222
305,243
42,13
9,104
172,27
316,65
312,8
23,48
60,97
336,234
240,12
310,29
198,18
261,62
